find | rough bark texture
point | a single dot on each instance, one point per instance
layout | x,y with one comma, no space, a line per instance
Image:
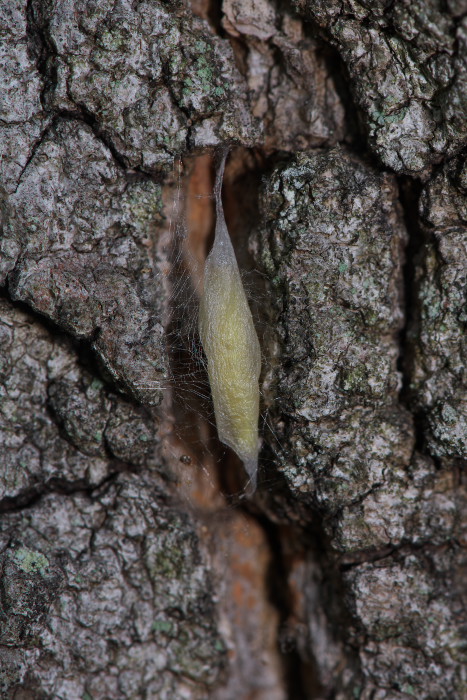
129,567
408,65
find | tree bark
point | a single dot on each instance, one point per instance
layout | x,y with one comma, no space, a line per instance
131,566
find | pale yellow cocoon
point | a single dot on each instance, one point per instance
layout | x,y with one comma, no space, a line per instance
231,347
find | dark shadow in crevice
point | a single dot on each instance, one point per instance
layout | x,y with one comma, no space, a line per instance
211,11
334,595
32,495
84,115
302,670
358,140
86,356
300,675
215,17
367,556
40,47
409,197
53,328
357,132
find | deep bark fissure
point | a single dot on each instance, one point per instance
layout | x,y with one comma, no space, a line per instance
211,11
180,347
297,672
357,139
300,670
31,497
84,115
301,675
82,347
40,46
409,197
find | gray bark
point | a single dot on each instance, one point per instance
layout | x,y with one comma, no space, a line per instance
128,567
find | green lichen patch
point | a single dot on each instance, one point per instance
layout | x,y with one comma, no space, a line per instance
134,614
407,67
332,244
30,561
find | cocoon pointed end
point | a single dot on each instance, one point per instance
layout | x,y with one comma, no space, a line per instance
231,347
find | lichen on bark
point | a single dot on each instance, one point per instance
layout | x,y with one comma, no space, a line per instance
107,597
124,570
333,245
438,329
407,62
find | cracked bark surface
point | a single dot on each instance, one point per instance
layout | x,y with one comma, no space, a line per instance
332,244
77,249
438,384
407,63
107,596
125,570
51,405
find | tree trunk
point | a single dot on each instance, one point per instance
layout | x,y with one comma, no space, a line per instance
131,563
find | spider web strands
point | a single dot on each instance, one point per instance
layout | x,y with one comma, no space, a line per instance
190,223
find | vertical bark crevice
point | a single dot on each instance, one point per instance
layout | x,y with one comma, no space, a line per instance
409,196
356,131
342,577
300,676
